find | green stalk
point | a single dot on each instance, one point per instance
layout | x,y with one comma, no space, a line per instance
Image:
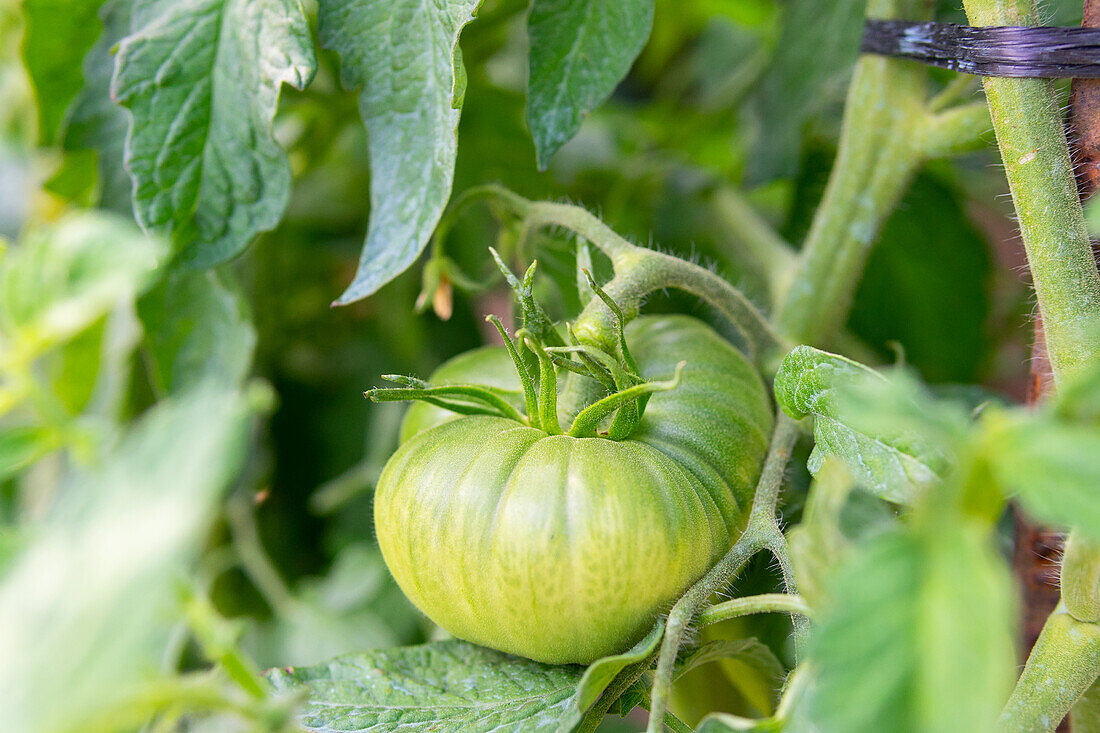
586,422
1040,174
1081,578
760,533
749,605
877,157
1063,665
755,240
1065,660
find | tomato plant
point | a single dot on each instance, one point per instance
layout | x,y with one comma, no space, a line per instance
755,443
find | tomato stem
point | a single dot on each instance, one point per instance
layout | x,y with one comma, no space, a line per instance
889,130
749,605
874,163
638,273
1064,663
761,532
1065,659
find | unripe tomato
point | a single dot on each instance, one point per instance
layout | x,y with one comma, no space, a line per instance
565,549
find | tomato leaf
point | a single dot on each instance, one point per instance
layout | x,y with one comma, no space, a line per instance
900,646
62,278
455,685
603,671
447,685
201,80
893,464
405,57
94,121
86,609
748,664
22,445
197,328
580,51
57,35
1052,466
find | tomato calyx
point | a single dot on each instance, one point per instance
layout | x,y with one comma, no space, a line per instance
538,352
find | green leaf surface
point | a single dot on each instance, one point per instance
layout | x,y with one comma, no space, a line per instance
61,278
95,122
919,634
895,465
404,57
603,671
1052,466
443,686
454,685
87,608
56,36
197,329
201,80
21,445
580,51
748,664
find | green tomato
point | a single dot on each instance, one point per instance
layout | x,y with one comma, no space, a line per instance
564,549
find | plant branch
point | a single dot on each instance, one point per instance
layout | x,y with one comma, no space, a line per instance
957,130
889,130
638,273
1037,163
1040,175
874,163
759,534
749,605
257,565
769,254
1064,663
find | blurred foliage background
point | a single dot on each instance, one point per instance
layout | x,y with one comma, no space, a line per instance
732,104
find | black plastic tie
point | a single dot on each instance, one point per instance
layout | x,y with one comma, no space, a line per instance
1010,51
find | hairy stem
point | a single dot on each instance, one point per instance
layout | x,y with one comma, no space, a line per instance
781,551
1040,175
1063,665
759,534
641,272
749,605
638,273
1067,286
